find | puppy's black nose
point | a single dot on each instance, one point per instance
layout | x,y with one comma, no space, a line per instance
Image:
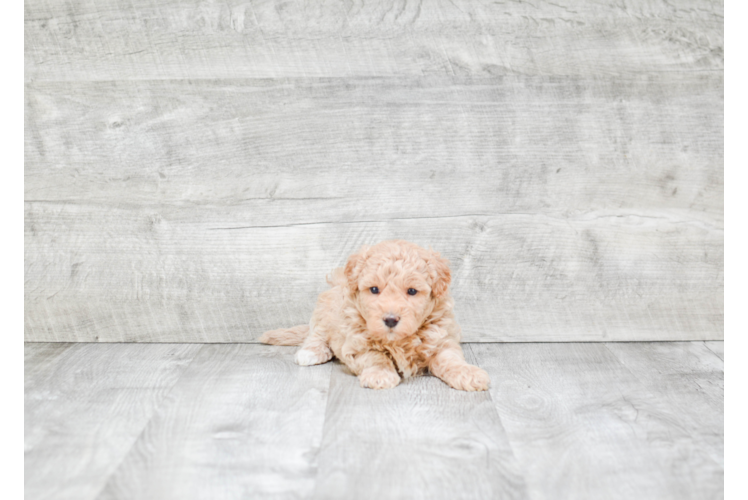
391,321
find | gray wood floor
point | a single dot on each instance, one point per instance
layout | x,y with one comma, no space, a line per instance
575,420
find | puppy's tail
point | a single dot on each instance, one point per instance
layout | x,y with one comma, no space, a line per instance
286,336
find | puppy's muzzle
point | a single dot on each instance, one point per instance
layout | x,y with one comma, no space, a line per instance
391,321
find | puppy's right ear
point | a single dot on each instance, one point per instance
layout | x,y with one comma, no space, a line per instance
354,267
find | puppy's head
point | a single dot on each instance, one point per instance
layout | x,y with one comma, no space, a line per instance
396,286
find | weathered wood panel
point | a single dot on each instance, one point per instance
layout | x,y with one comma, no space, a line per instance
210,211
172,274
40,358
689,378
338,150
86,408
582,425
717,347
244,421
368,121
140,39
421,439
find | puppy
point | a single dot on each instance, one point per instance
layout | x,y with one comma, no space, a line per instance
387,316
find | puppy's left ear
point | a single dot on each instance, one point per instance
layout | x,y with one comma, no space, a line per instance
441,277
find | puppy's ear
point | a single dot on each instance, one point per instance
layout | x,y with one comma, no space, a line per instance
354,267
441,277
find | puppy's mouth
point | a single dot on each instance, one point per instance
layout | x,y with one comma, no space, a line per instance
383,331
397,332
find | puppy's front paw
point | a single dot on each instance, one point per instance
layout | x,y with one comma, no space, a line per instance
467,378
378,378
307,357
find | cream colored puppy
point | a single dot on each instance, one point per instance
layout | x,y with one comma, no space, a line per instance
388,315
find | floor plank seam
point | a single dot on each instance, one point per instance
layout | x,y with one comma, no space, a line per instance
498,415
156,409
721,358
520,468
328,411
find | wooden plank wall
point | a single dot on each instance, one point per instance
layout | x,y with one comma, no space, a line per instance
193,170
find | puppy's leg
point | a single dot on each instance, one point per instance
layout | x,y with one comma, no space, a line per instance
374,369
449,365
314,350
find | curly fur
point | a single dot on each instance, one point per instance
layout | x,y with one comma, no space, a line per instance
348,321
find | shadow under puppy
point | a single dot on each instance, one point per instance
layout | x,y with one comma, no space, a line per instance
388,314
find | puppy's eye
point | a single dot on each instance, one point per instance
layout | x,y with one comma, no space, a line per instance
374,290
412,291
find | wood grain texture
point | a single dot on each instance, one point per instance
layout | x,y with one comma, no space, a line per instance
177,39
145,275
689,378
324,150
583,425
40,358
243,422
205,211
193,170
717,347
84,412
420,439
156,421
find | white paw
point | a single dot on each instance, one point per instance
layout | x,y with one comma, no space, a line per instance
378,378
305,357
